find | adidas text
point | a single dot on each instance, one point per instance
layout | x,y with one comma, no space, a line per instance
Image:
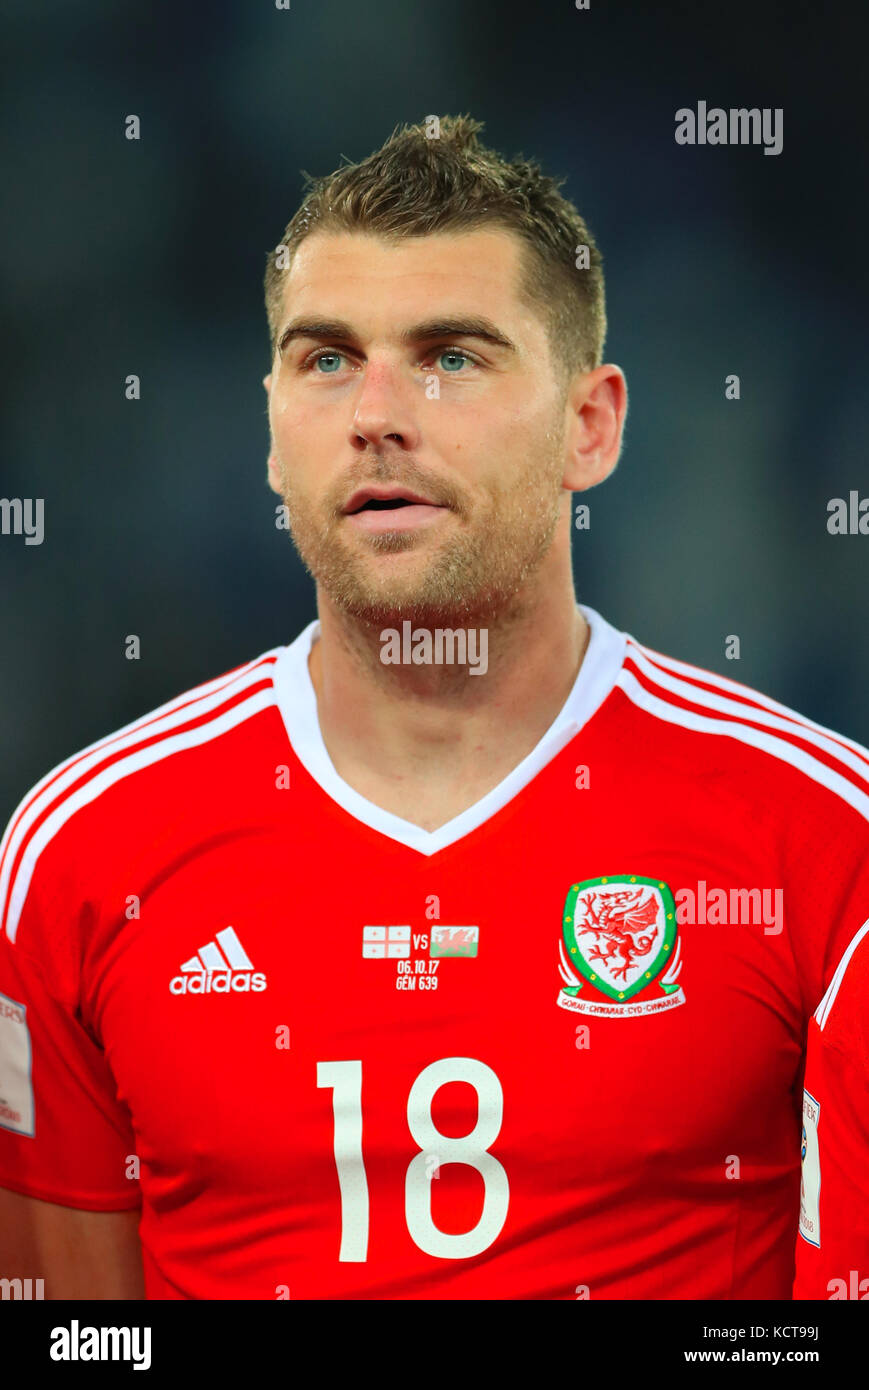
219,982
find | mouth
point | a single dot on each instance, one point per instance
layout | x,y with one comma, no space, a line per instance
391,509
384,499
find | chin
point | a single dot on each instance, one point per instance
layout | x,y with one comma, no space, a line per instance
421,605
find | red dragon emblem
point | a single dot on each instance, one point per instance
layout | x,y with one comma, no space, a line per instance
616,919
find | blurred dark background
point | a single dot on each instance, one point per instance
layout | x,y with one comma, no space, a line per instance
147,257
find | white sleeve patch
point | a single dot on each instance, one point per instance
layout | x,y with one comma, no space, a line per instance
810,1187
16,1082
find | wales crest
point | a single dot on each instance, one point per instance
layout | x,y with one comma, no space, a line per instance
620,950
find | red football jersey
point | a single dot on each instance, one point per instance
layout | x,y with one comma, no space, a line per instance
551,1050
833,1254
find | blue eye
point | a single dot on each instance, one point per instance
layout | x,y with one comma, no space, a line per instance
452,359
331,360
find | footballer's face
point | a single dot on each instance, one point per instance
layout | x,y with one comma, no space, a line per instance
417,424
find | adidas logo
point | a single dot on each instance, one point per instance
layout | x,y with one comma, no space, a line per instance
222,968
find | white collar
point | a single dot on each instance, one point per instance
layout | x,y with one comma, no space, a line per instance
297,703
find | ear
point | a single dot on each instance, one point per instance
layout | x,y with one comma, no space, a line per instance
596,406
274,472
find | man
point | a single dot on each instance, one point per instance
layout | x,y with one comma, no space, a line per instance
464,947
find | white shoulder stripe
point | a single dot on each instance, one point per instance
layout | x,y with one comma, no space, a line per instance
809,733
149,720
822,1012
123,767
778,747
745,693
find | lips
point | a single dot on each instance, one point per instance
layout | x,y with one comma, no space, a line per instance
385,499
379,511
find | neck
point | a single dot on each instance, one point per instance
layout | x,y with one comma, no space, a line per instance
425,741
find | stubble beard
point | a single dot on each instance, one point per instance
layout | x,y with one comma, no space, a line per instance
476,574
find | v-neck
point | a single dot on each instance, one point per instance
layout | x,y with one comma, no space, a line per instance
297,703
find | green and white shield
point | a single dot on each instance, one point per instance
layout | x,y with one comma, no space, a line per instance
619,933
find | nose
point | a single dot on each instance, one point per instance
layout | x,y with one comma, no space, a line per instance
384,410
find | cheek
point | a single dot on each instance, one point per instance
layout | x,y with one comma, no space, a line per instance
499,440
290,424
302,442
474,431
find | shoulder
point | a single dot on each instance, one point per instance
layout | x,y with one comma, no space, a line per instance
89,794
718,723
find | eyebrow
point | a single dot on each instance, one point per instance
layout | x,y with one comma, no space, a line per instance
460,326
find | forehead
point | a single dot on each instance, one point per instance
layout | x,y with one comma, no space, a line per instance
352,274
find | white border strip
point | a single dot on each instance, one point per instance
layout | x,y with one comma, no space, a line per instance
145,757
822,1012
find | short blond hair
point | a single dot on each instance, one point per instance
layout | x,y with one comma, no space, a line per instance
419,183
